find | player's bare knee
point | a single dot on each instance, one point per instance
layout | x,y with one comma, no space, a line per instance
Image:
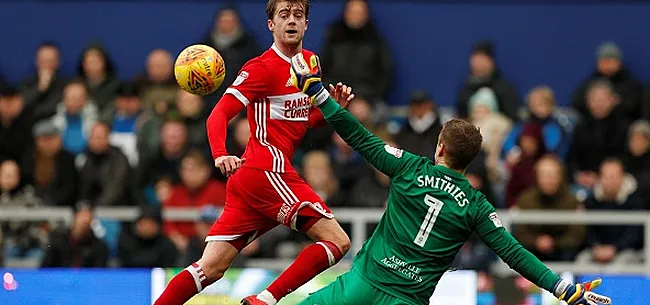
216,259
342,241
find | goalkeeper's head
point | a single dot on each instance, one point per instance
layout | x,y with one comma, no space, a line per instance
458,144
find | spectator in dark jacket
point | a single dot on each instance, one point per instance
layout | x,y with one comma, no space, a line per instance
355,53
615,190
105,172
166,160
15,125
157,85
145,245
190,110
50,168
522,165
541,110
477,175
600,135
485,73
44,89
420,133
317,171
637,155
550,242
236,46
609,65
76,246
98,72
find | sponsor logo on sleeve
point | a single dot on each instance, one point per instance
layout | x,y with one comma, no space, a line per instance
243,75
496,220
394,151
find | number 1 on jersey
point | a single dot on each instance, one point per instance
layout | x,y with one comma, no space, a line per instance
435,206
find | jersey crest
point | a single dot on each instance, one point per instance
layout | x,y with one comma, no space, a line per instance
243,75
394,151
496,220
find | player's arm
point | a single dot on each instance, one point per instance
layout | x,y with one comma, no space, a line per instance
389,160
249,85
491,231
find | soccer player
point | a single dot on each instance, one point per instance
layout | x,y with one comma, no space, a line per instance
432,211
263,189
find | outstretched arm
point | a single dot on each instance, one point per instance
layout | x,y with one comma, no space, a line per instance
217,124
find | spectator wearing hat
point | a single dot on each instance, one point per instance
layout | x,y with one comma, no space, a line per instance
196,189
97,70
145,245
485,73
77,246
636,157
50,168
522,166
135,129
610,66
106,176
15,125
420,133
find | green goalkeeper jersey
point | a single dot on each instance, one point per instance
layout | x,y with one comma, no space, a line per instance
431,212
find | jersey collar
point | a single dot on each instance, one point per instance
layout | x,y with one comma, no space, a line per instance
449,171
277,51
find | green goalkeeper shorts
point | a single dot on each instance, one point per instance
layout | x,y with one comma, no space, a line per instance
350,289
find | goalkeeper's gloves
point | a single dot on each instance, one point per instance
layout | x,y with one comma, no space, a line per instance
306,76
580,294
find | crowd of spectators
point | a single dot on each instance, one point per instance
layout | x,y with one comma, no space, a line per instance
91,140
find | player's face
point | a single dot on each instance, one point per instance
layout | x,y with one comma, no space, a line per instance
289,23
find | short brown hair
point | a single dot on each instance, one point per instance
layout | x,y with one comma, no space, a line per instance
271,6
462,142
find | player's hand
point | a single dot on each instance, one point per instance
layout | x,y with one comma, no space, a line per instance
581,294
306,76
342,94
228,164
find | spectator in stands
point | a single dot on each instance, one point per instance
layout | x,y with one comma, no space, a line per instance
522,165
43,90
615,190
145,245
15,125
22,237
105,173
236,46
609,65
362,110
98,72
600,135
77,246
158,86
347,164
485,73
550,242
196,189
190,108
636,157
371,190
420,134
494,128
166,160
50,168
474,255
355,53
75,116
238,136
477,175
135,130
541,111
317,171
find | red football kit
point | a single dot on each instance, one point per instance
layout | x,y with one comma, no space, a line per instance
266,190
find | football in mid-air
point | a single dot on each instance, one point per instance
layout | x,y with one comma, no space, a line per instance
199,69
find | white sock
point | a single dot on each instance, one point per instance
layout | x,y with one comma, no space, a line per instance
267,297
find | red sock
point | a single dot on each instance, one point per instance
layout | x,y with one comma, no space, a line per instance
310,262
184,286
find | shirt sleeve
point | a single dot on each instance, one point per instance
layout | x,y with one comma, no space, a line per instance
249,86
491,231
387,159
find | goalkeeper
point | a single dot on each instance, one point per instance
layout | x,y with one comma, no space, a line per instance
432,211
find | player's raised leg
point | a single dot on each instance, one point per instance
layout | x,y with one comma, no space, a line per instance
216,259
331,244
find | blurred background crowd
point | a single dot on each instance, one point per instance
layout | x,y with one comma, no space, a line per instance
91,140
